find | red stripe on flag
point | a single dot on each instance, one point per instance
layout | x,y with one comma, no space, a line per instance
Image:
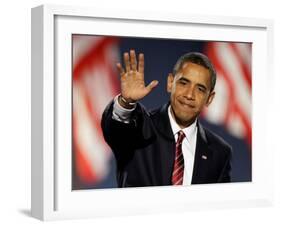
246,123
246,72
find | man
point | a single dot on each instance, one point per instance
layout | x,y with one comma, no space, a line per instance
167,146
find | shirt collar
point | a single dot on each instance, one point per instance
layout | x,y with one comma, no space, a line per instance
189,131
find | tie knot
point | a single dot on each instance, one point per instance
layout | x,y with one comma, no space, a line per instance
181,136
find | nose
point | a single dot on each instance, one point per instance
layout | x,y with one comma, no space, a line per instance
190,93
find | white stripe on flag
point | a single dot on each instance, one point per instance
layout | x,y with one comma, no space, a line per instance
87,137
218,108
98,87
236,126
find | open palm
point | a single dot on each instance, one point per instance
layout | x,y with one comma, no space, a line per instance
132,78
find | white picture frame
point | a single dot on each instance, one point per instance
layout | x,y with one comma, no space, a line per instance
52,197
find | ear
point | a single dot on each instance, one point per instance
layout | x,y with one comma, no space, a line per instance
170,80
210,98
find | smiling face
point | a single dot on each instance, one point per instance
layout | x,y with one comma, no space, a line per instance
190,91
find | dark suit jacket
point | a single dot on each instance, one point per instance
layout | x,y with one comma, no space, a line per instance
145,150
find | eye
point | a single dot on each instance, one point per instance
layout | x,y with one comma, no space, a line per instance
201,89
182,82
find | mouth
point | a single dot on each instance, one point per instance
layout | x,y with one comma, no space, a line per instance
186,104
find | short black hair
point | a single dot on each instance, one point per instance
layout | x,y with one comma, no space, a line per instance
200,59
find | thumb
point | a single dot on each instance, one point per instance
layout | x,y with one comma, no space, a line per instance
152,85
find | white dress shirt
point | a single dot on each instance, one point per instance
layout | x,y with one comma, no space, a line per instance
188,145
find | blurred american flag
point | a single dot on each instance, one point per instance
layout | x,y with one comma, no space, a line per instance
232,104
95,83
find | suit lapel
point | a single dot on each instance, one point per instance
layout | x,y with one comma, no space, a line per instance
162,123
202,157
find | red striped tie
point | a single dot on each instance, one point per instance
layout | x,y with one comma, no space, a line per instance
177,177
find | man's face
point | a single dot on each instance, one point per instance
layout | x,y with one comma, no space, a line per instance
190,91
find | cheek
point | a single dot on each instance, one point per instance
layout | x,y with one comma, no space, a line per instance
174,92
202,101
177,90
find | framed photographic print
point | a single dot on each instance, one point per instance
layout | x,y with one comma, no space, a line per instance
74,77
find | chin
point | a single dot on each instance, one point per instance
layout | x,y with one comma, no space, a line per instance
185,120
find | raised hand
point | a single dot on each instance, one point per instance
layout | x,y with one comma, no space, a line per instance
132,78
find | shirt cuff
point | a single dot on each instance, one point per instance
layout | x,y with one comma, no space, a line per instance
121,114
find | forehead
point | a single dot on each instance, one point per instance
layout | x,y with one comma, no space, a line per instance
195,72
193,67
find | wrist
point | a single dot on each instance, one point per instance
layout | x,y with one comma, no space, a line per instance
128,104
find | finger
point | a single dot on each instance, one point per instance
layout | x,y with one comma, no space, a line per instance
120,69
141,63
151,86
127,62
133,60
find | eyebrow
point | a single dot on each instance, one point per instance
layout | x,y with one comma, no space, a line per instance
198,84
